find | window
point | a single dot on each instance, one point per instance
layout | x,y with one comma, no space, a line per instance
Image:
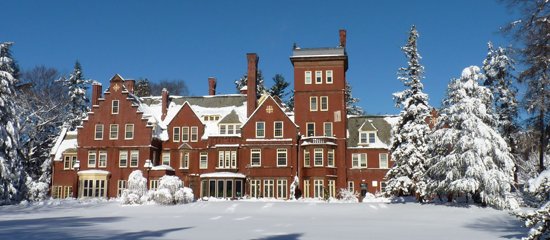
184,160
255,157
281,157
372,137
328,75
363,137
223,128
318,188
351,186
330,158
194,134
92,159
310,129
114,107
153,185
185,134
383,160
113,131
227,159
129,131
123,158
307,160
98,132
308,77
121,186
134,155
102,159
375,183
68,191
203,164
176,134
278,129
332,188
166,158
337,116
230,129
93,188
255,185
318,77
211,117
306,188
318,157
260,129
327,129
324,103
269,188
312,104
359,160
382,186
281,188
68,162
221,161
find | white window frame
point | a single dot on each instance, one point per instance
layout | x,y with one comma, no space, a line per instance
126,132
255,187
99,128
102,163
373,134
233,159
184,160
307,129
330,158
176,134
307,158
329,76
253,152
359,162
184,134
203,160
194,134
321,100
269,188
282,185
111,136
318,77
315,152
69,160
121,186
282,153
307,186
275,129
122,154
262,135
92,164
165,158
132,154
332,188
313,107
308,77
318,187
325,133
113,107
387,164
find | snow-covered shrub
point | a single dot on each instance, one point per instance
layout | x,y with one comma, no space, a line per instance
539,220
348,196
293,187
540,186
37,191
137,188
171,191
163,196
184,195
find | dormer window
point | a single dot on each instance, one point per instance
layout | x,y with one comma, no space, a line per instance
211,117
230,129
367,137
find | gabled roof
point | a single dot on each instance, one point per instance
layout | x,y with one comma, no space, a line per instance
263,99
232,117
367,126
381,124
65,141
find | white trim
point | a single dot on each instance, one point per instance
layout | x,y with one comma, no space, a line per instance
306,73
263,129
188,134
137,158
256,151
275,129
111,131
92,153
174,134
126,131
359,160
316,104
120,153
307,129
315,151
308,158
205,155
380,161
102,153
321,103
333,153
325,129
285,151
113,106
196,134
102,131
331,76
318,77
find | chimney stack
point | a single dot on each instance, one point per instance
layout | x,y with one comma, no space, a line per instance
164,103
251,97
343,38
129,84
96,93
211,86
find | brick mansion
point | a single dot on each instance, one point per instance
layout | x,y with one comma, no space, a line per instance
229,145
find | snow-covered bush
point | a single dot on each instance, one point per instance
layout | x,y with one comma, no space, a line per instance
540,186
293,187
184,195
163,196
137,189
171,191
37,191
539,220
348,196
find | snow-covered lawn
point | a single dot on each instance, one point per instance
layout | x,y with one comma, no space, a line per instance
255,220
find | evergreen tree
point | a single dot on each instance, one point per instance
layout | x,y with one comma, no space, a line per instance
351,102
243,81
78,106
290,102
410,134
468,156
279,87
12,175
143,88
539,219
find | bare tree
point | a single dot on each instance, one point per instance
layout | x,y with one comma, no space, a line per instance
174,87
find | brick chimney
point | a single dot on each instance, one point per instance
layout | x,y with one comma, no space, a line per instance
211,86
96,93
343,38
164,103
129,84
251,97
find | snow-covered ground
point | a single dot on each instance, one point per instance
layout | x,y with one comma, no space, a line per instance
275,220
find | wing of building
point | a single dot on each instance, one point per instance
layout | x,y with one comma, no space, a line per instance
229,145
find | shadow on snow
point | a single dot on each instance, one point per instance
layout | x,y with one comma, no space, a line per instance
293,236
509,228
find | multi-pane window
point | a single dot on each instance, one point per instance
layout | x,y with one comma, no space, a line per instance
68,162
121,185
230,129
281,157
93,188
327,129
176,134
383,160
278,129
359,160
134,156
332,188
233,159
318,188
68,191
203,160
372,137
307,159
281,188
269,188
255,186
308,77
328,75
318,77
351,186
115,107
306,188
57,191
153,185
227,159
194,134
123,158
313,104
98,132
318,157
113,131
330,158
92,157
166,158
260,129
185,134
129,131
324,103
184,160
310,129
363,137
255,157
102,159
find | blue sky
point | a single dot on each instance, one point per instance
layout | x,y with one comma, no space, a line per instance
193,40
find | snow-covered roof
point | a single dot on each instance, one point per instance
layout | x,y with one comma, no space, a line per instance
223,175
65,141
381,124
93,171
162,168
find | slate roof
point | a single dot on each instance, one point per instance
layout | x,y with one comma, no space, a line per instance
380,124
318,52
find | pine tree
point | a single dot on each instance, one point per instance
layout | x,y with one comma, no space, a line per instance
468,156
279,87
538,220
12,176
351,102
290,102
410,134
143,88
243,81
78,106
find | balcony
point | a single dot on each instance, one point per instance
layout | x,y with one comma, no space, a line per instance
318,140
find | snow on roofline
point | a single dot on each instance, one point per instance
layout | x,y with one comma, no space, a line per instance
162,167
93,171
223,175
